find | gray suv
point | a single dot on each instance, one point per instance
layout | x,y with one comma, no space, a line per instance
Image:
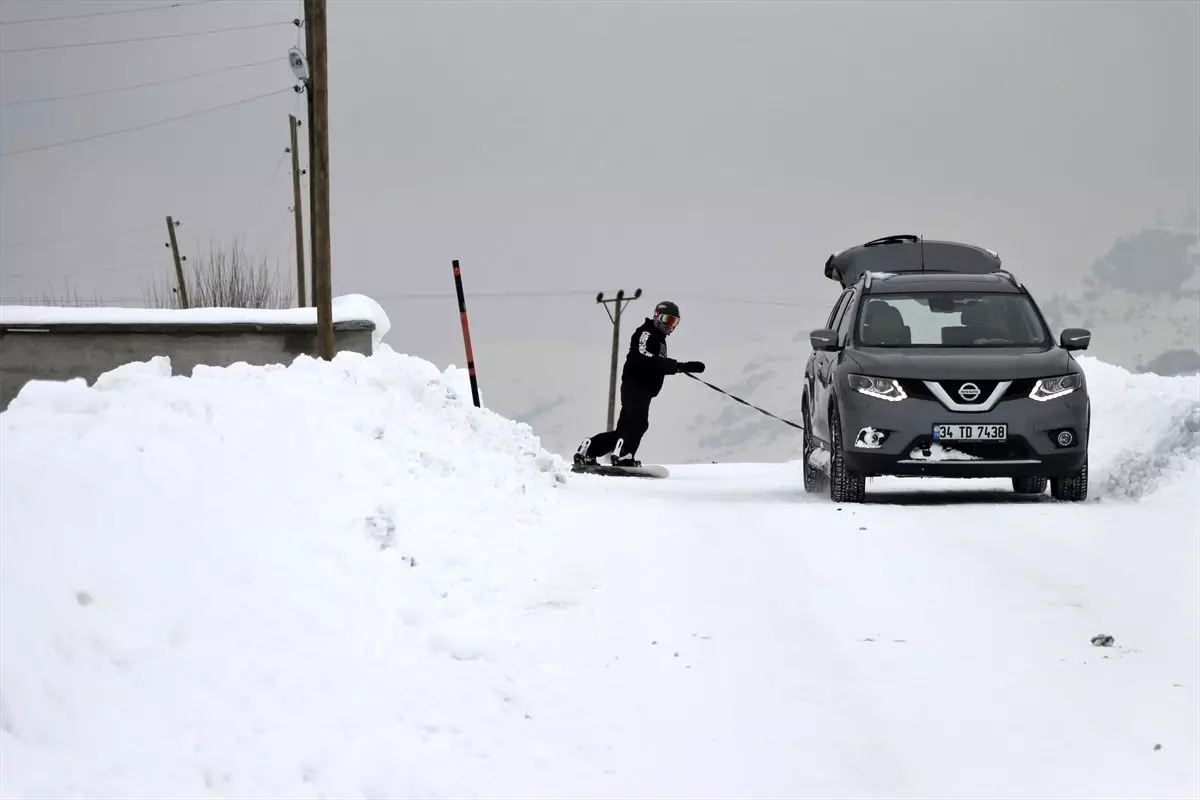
936,362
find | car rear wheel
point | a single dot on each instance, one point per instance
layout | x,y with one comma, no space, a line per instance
814,477
844,486
1030,484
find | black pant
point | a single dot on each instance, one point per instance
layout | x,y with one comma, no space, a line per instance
632,424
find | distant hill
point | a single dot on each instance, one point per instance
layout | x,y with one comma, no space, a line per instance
1141,300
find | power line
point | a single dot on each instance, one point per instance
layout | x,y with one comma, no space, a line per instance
111,266
584,293
96,302
107,13
147,84
146,125
255,209
81,237
444,295
149,38
750,301
499,295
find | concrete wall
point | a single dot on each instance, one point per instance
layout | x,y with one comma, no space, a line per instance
62,352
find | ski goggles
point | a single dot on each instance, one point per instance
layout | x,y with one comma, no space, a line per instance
668,321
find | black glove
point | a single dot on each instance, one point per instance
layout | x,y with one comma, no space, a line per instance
692,366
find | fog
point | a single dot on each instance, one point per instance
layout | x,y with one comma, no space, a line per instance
709,153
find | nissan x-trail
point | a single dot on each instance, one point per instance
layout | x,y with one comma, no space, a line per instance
937,362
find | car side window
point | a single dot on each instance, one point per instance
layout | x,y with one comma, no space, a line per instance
831,323
846,317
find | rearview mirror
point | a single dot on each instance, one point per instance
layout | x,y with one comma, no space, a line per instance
944,304
1075,338
824,339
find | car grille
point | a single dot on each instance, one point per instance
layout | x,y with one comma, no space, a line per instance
1018,390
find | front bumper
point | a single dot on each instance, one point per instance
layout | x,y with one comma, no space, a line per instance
1031,448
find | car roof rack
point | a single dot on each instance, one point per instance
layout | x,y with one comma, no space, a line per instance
869,276
909,253
896,239
1003,273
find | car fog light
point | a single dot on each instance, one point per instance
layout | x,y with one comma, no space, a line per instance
1065,438
870,438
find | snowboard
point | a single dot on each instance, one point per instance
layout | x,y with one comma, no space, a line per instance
644,471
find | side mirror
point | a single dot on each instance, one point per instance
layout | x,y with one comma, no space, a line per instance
1075,338
824,339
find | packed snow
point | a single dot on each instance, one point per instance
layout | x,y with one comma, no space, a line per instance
1145,432
341,579
940,452
351,307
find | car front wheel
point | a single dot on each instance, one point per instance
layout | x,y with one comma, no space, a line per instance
1072,487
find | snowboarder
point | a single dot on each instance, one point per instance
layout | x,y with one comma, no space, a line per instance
646,364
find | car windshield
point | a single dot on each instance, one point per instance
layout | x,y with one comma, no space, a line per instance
950,319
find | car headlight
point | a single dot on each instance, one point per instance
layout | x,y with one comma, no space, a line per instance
883,388
1050,388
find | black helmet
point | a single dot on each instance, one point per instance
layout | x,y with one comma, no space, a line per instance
666,316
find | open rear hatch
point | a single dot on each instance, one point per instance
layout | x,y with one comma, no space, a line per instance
909,253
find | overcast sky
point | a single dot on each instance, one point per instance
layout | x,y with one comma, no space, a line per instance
695,150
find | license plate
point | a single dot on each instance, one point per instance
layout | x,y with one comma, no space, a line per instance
970,433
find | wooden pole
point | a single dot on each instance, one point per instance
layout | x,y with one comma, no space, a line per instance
466,331
312,146
299,215
179,279
319,174
619,303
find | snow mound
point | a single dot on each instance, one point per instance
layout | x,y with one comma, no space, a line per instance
262,580
1145,432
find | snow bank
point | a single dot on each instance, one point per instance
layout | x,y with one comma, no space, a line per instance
345,308
1145,432
287,581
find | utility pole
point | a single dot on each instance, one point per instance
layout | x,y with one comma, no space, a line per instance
183,298
299,214
312,144
318,162
619,302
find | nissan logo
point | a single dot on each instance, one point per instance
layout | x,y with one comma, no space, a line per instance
968,391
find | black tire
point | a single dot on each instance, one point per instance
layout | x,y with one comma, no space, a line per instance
814,477
844,486
1030,484
1072,487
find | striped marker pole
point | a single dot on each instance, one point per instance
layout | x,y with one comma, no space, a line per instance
462,313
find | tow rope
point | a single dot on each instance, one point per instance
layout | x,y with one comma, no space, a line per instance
744,402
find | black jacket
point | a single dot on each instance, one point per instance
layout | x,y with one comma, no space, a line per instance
646,363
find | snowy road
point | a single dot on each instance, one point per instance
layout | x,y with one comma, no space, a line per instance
742,638
409,601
